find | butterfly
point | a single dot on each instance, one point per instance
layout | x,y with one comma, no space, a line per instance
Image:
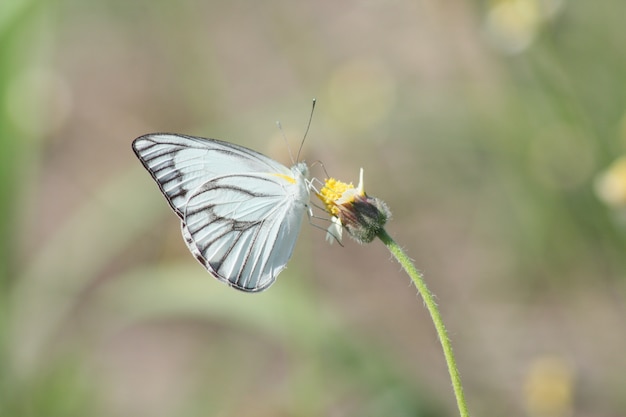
240,211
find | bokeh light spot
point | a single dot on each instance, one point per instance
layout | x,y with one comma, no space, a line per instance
610,185
549,387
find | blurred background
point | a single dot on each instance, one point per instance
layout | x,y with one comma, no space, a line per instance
492,129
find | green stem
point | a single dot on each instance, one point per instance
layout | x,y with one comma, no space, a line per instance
427,296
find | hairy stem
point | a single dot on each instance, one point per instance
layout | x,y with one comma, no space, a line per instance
429,301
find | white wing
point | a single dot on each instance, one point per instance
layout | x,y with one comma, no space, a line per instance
243,227
180,164
241,211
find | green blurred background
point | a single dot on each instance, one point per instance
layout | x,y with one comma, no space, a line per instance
491,129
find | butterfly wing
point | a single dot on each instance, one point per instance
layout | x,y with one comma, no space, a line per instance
180,164
241,211
243,227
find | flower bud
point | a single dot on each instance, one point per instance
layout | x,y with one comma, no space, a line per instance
361,215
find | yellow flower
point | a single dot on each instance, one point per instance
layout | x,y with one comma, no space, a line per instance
350,208
549,387
611,184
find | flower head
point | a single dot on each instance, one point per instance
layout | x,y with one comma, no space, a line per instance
350,208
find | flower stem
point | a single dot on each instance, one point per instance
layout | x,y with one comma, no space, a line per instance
427,296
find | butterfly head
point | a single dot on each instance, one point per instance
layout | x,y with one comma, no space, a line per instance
301,169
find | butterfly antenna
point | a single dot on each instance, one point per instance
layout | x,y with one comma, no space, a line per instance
307,130
282,132
320,163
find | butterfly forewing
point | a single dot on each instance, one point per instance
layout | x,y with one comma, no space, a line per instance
241,211
180,164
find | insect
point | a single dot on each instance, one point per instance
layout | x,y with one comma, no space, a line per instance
240,211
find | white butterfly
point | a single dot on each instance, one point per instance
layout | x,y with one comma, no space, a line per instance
240,210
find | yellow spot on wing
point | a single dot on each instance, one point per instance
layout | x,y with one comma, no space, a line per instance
286,178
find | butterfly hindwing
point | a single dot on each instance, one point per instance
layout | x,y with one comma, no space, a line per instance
243,227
